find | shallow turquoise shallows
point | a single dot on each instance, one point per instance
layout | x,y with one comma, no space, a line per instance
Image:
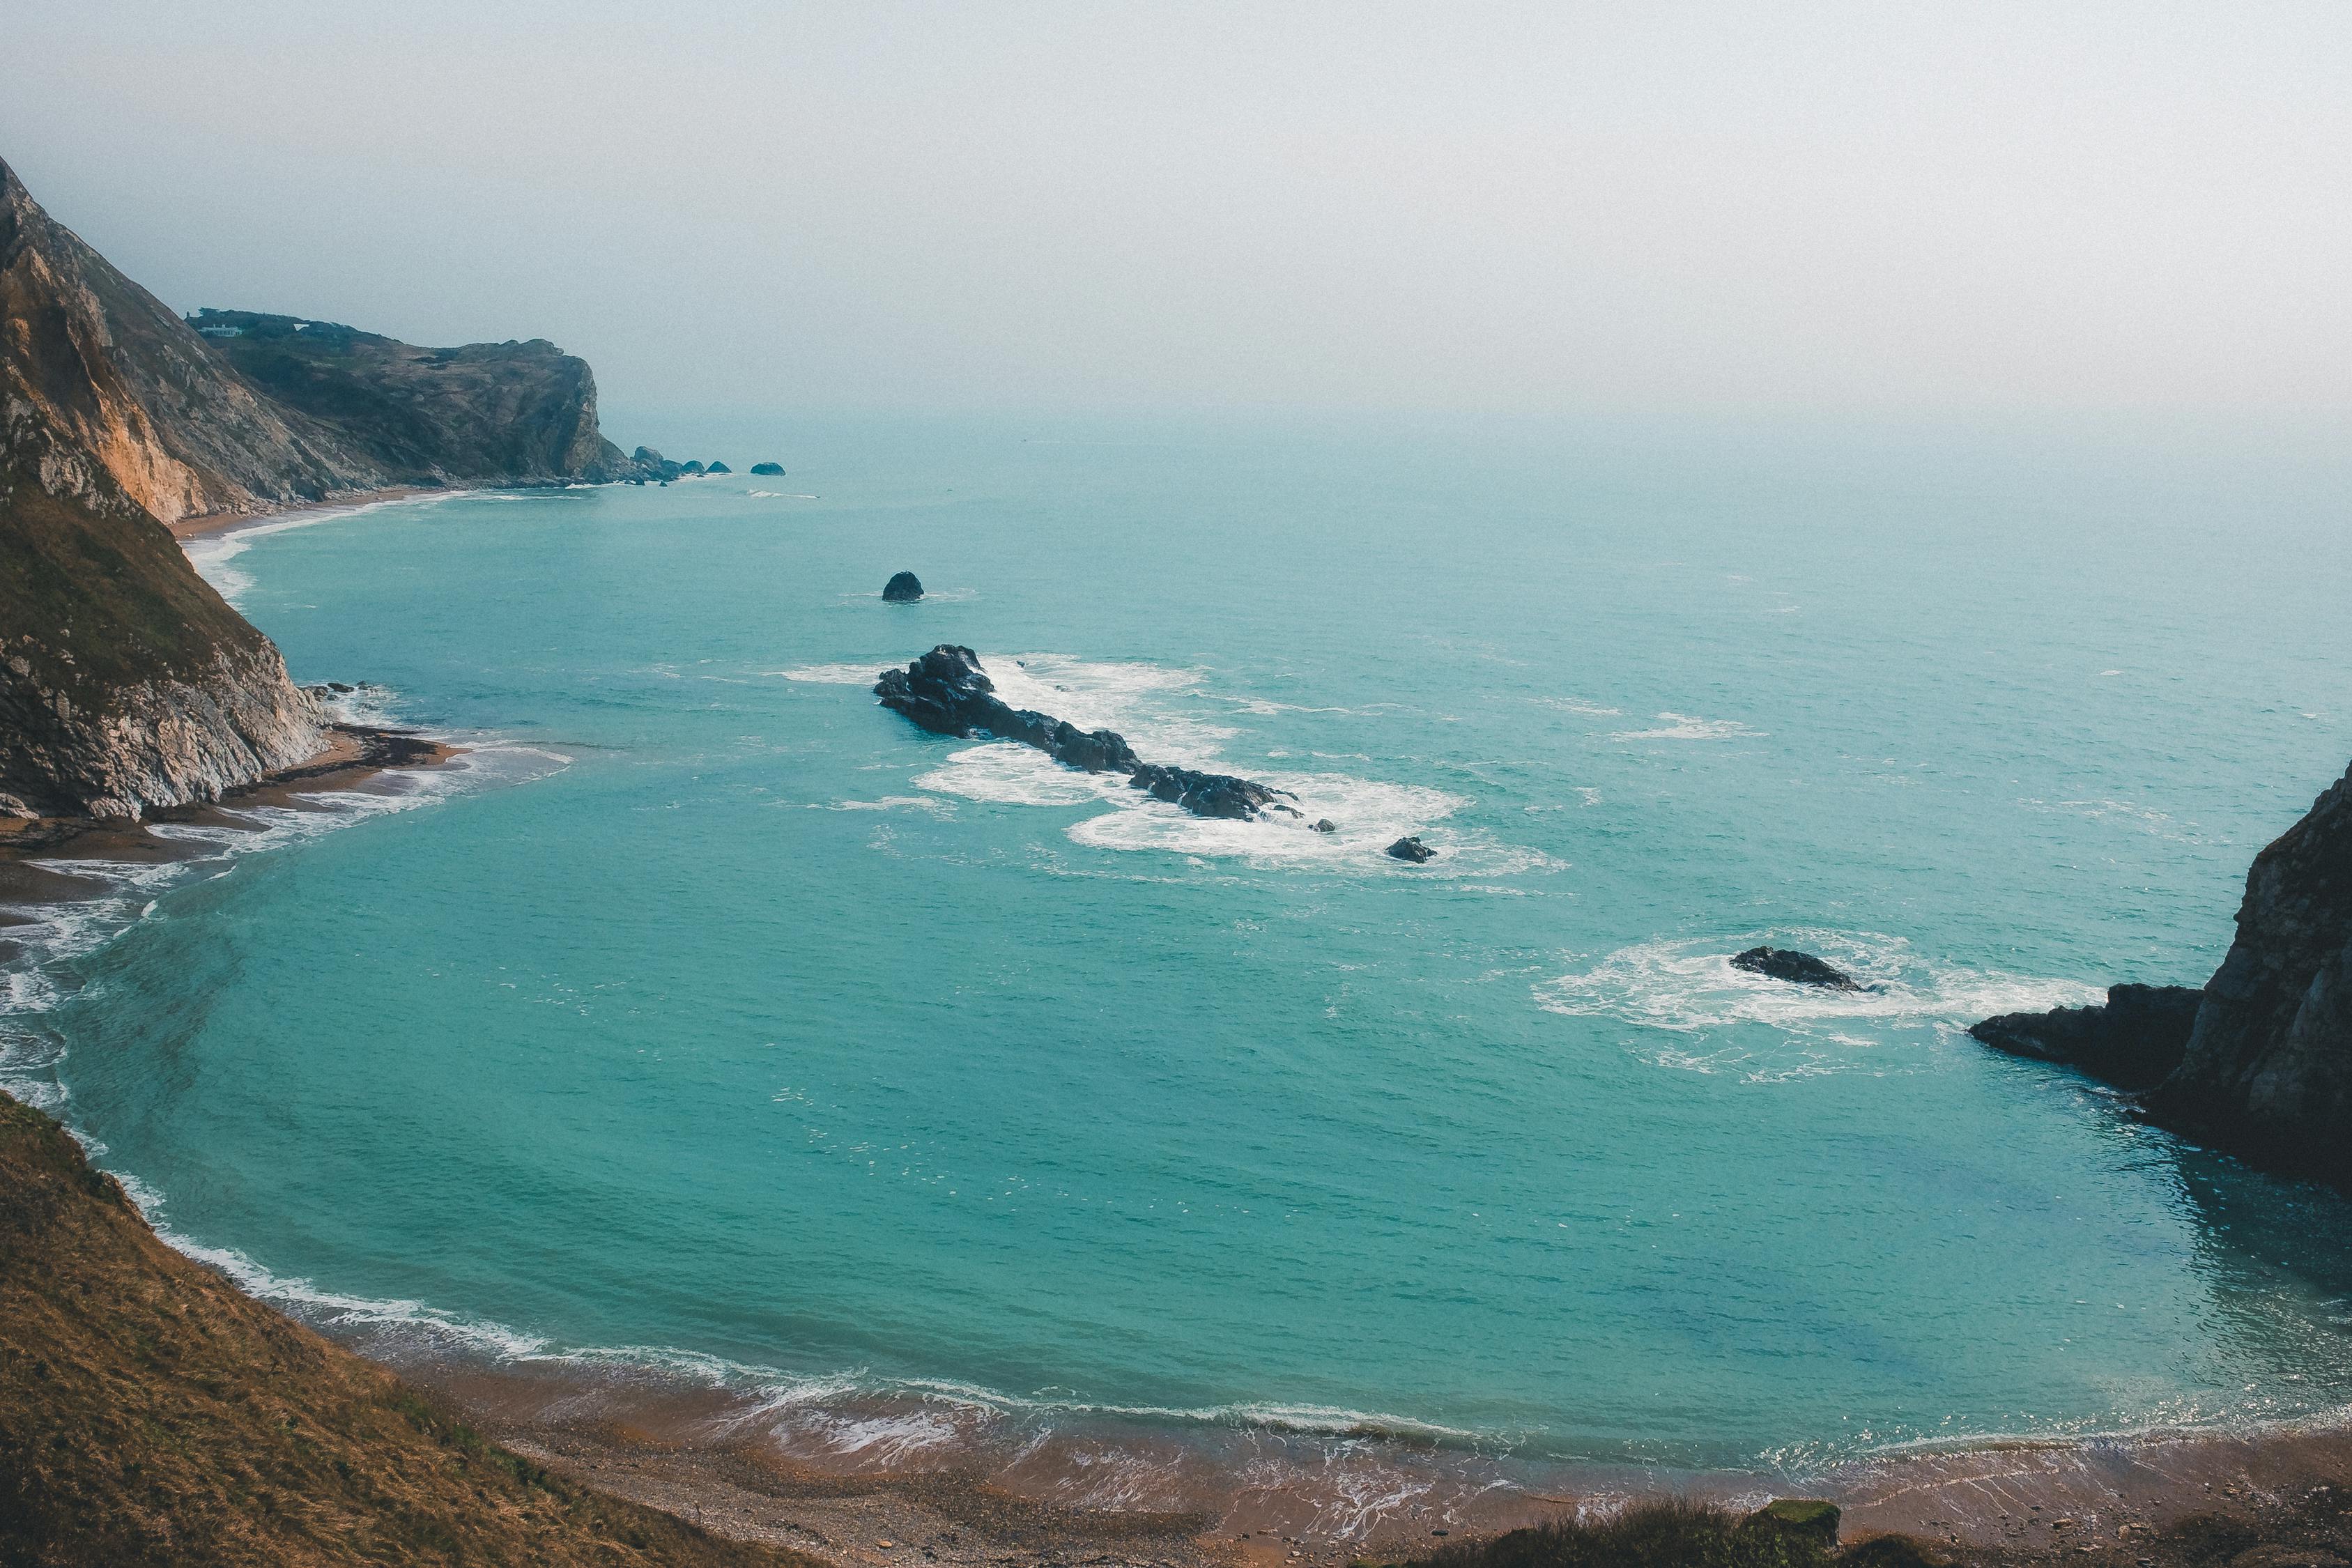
716,1010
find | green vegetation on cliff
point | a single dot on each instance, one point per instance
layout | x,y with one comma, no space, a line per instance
152,1414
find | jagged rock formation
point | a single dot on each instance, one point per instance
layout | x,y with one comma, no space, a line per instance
2134,1041
1411,848
1796,968
904,588
2264,1069
946,692
484,413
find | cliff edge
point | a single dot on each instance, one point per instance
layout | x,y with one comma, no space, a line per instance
126,682
152,1413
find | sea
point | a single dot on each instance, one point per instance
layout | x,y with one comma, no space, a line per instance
707,1027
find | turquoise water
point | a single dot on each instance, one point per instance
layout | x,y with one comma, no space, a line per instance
716,1016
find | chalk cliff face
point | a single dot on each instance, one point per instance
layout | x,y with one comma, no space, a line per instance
2268,1068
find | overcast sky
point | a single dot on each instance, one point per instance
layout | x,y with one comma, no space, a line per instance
1622,206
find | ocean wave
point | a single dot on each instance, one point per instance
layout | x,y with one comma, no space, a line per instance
1687,989
1685,727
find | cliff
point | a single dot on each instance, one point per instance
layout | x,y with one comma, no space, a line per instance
126,684
2258,1062
151,1412
486,414
2267,1072
114,373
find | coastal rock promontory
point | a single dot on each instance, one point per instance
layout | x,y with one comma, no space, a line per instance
2267,1071
1796,968
2262,1066
2134,1041
904,588
948,693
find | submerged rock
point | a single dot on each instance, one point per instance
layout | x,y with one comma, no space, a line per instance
2133,1042
1411,848
1326,826
1796,968
767,467
947,692
903,589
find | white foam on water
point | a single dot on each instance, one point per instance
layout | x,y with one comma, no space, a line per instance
832,674
1578,705
1685,727
1686,990
1133,697
923,803
1011,773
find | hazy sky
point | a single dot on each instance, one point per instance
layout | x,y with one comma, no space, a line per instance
1892,205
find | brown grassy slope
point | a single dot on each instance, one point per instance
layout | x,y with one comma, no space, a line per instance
150,1414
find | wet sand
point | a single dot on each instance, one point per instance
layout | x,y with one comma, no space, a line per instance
219,522
957,1484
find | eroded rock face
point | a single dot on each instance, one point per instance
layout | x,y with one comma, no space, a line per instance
126,683
947,692
1796,968
2267,1070
2134,1041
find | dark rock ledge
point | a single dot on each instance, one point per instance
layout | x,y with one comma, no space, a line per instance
946,692
2258,1062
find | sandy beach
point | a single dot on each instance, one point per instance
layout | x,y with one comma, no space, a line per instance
965,1491
213,524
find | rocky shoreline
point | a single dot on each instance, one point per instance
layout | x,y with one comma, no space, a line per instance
2257,1063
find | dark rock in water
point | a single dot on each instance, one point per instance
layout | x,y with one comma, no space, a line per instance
947,692
694,468
1796,968
2133,1042
903,589
767,467
340,686
1207,795
1326,825
719,468
1411,848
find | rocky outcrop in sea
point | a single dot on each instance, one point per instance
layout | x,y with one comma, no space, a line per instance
2134,1040
1797,968
948,693
2258,1062
904,588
